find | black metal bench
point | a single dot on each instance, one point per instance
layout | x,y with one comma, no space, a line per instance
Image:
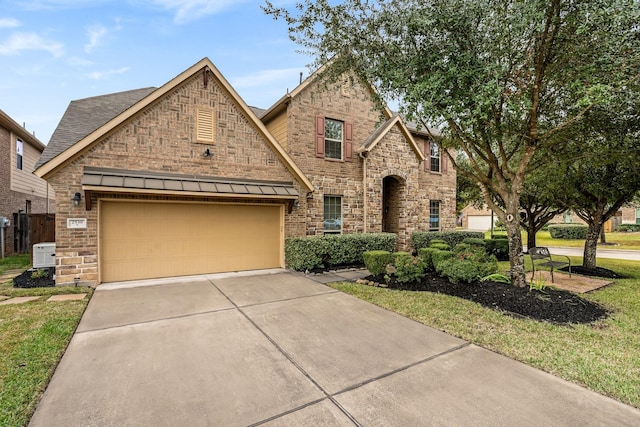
543,255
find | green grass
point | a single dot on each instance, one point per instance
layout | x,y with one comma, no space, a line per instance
14,262
602,356
622,241
33,337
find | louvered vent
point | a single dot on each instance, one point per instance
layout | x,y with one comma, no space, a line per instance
205,125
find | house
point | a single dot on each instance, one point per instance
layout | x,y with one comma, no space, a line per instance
21,192
630,214
187,179
477,218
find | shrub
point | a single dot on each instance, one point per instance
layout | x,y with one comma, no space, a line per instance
469,263
376,261
474,241
438,256
441,246
568,231
500,237
422,239
628,227
306,253
498,248
437,241
408,268
425,254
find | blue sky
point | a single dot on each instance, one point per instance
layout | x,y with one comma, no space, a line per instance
55,51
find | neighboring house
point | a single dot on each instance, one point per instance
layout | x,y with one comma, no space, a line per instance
187,179
21,192
630,214
477,219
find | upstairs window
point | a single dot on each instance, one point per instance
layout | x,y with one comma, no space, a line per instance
435,157
19,153
334,139
332,223
434,215
434,160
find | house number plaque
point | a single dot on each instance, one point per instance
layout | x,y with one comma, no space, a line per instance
76,222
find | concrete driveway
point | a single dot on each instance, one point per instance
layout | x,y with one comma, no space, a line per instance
284,350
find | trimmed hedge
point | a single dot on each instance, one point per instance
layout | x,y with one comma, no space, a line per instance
497,247
469,263
568,231
628,227
306,253
422,239
425,254
376,261
474,241
437,258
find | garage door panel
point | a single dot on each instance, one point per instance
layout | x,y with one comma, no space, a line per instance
148,240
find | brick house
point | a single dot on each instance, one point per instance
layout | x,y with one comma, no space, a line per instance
21,192
187,179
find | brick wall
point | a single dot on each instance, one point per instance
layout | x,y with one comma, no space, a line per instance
12,201
161,139
392,157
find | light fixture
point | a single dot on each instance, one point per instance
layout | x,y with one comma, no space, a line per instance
207,153
76,199
296,204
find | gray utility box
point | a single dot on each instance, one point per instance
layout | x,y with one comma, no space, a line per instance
44,255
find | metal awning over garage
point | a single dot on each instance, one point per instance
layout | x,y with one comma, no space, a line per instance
127,181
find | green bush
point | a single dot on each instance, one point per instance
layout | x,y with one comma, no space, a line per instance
474,241
469,263
498,248
306,253
408,268
377,261
422,239
438,256
425,254
628,227
437,241
500,237
568,231
441,246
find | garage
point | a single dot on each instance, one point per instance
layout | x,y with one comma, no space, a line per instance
145,239
479,222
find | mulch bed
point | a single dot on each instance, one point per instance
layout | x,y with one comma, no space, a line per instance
551,305
25,280
593,272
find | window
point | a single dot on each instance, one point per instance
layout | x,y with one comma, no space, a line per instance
19,153
638,216
568,217
434,215
333,139
435,157
332,214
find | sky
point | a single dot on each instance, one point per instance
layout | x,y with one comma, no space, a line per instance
56,51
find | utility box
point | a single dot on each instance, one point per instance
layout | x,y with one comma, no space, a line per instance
44,255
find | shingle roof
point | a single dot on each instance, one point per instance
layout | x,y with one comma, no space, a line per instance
83,116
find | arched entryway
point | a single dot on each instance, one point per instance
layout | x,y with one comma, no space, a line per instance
392,190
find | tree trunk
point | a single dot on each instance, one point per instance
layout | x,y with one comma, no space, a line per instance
516,259
531,233
603,238
591,245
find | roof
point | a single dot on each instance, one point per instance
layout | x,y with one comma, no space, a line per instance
119,180
67,146
383,129
8,123
83,116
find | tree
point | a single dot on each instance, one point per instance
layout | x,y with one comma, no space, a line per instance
539,204
504,79
601,172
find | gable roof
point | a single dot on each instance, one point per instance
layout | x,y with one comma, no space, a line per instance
10,124
384,129
83,116
66,151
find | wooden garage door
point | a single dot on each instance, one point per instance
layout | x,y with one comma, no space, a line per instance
143,240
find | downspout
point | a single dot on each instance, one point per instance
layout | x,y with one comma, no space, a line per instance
364,190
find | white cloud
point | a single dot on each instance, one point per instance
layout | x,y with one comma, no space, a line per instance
191,10
9,23
19,42
76,61
265,78
99,75
96,33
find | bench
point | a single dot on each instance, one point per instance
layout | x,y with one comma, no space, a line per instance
543,255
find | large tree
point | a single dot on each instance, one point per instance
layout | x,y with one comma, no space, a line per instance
504,79
598,171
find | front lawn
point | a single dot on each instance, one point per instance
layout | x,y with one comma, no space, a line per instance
33,337
602,356
622,241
